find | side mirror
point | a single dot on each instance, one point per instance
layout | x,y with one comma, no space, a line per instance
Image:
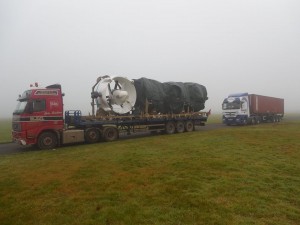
244,106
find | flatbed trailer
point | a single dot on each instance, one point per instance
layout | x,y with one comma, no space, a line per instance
108,128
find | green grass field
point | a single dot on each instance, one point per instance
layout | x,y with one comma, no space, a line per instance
236,175
214,118
5,130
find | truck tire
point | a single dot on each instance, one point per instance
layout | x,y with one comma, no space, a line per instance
110,134
91,135
189,126
47,140
180,126
170,127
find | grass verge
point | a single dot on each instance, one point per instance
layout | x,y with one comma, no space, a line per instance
5,130
242,175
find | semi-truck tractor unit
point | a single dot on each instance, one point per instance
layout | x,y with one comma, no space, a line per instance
244,108
119,106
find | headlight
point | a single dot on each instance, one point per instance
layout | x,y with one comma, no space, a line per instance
16,127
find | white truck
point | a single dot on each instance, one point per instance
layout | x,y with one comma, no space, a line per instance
244,108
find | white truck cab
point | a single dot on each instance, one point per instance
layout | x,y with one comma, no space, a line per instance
235,109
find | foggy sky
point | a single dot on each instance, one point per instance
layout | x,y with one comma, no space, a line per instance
229,46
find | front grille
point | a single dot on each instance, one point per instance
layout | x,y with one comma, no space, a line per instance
230,114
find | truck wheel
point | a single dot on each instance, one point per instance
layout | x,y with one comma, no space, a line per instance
180,126
92,135
189,126
170,128
110,134
47,140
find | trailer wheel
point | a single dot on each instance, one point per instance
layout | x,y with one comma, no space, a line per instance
47,140
92,135
180,126
170,128
110,134
189,126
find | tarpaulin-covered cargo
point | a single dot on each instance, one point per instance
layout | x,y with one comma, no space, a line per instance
198,95
169,97
177,96
151,90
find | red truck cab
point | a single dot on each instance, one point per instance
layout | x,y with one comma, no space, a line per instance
38,117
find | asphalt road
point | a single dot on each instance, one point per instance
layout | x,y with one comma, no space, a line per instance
13,148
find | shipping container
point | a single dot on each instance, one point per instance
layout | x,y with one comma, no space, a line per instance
260,104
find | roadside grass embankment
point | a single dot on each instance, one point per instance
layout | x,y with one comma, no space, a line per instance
5,130
243,175
289,117
214,118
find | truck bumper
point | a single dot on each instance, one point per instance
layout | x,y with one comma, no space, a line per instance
19,138
20,141
239,120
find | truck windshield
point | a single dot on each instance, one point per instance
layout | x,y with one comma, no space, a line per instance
231,104
20,107
22,102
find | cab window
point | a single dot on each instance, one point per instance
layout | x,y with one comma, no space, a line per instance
39,105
